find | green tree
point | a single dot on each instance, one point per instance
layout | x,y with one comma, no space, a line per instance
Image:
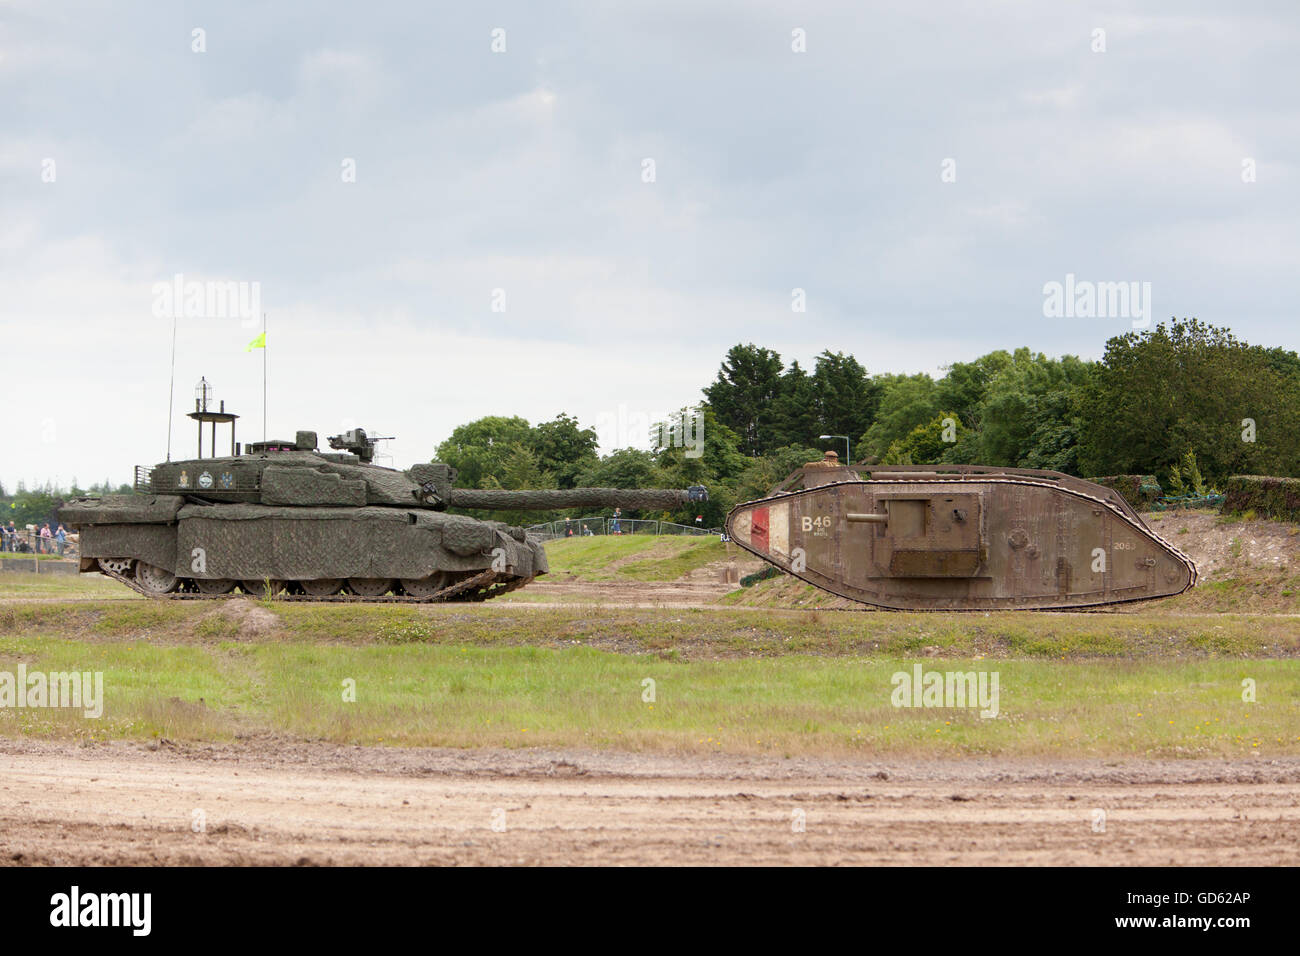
761,475
1188,386
925,444
744,393
622,468
963,388
795,409
563,448
718,468
478,449
846,396
1025,417
906,401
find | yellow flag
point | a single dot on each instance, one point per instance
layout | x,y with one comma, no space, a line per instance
257,343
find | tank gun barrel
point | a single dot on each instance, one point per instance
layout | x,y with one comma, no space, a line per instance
557,498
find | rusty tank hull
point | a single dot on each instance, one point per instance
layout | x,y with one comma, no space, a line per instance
975,539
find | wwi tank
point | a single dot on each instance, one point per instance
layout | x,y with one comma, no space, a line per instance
960,538
318,525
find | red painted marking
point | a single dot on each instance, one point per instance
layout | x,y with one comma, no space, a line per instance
758,528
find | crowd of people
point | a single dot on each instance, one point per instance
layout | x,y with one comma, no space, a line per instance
31,540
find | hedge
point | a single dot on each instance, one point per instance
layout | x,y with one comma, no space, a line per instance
1277,498
1140,491
771,571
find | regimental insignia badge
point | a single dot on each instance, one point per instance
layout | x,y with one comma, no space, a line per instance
184,480
227,480
205,480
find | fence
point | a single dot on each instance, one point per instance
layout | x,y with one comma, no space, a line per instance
597,525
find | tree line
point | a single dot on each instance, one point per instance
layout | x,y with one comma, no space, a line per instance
41,504
1153,398
1183,391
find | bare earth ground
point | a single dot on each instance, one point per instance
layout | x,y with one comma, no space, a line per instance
1208,543
275,802
702,586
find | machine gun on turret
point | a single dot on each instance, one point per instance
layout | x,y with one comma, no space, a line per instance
357,442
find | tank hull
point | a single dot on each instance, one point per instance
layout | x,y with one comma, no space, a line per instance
971,543
202,544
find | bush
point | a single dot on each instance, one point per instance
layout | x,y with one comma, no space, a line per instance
771,571
1277,498
1140,491
1185,478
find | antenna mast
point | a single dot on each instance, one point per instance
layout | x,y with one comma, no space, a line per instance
171,390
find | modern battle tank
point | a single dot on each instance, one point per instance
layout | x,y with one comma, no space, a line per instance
960,538
320,526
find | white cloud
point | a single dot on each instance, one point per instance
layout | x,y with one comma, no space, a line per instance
522,171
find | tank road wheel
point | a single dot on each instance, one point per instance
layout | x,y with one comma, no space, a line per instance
155,580
427,587
215,585
116,565
322,587
258,588
370,587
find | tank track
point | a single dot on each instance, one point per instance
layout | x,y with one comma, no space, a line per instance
1100,607
471,589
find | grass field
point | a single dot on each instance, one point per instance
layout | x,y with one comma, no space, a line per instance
461,696
70,586
701,633
732,679
633,557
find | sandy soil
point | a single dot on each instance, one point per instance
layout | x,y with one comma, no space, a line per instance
274,802
1265,544
703,586
630,594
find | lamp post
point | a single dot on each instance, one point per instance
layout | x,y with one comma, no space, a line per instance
848,458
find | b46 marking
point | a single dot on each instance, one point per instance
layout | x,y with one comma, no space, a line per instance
819,526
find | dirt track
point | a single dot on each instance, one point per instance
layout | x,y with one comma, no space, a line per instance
281,803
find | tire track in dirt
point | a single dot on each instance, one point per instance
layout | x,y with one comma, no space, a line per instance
281,803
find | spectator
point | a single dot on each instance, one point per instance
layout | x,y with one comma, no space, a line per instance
45,538
699,519
568,527
60,539
613,525
586,531
10,536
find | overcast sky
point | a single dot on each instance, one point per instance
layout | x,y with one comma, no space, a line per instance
126,158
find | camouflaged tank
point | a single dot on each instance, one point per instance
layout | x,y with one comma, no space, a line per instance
960,538
284,517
